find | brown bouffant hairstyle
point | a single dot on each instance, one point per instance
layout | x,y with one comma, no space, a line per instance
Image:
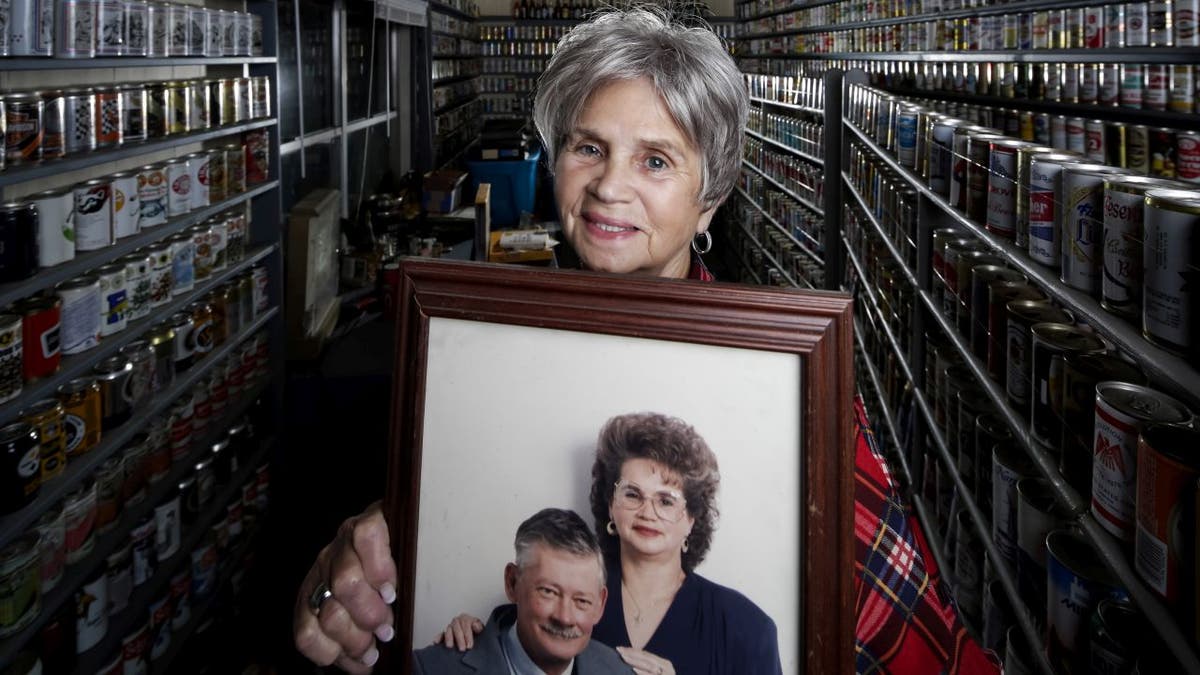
674,444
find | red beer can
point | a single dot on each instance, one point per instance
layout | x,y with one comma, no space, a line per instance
40,320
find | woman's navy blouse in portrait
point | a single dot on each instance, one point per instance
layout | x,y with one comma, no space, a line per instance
708,629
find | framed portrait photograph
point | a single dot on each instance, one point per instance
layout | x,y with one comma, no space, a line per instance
505,376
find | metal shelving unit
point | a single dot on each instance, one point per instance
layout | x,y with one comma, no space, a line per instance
786,148
774,223
52,63
749,165
771,258
789,106
1165,55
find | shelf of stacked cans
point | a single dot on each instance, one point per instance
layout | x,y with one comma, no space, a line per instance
180,587
1060,435
89,411
108,525
795,135
799,90
777,273
800,226
464,10
949,490
114,34
800,180
751,10
55,131
1070,31
750,260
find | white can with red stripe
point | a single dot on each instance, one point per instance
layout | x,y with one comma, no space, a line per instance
1122,410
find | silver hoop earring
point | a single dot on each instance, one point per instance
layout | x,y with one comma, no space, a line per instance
611,528
685,546
707,243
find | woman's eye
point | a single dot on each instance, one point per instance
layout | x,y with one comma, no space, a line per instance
656,163
588,150
633,495
667,501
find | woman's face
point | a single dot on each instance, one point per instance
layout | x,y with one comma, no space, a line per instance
649,530
627,182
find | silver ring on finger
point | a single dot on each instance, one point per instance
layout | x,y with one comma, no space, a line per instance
318,597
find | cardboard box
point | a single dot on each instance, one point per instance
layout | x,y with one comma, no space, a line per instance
441,191
498,254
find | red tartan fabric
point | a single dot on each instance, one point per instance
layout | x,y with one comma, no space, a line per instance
905,626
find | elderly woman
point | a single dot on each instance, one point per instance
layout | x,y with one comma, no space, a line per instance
642,119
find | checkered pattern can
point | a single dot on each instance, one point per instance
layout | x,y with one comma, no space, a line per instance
108,117
79,117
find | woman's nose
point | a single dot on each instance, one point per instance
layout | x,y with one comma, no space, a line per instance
611,183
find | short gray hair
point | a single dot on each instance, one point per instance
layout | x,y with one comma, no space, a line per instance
688,66
559,529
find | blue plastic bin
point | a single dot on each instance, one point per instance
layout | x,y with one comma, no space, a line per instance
514,185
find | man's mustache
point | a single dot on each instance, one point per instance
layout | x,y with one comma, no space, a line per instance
562,631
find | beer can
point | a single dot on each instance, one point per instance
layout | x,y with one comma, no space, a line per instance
1187,156
1137,149
1116,632
75,37
19,226
968,569
235,170
23,131
962,164
242,99
1115,135
949,272
80,398
1019,657
1080,375
960,311
183,265
256,34
178,107
1124,203
1109,89
142,541
1132,92
1070,83
138,282
214,36
997,615
1000,293
978,152
79,120
1162,152
198,111
1165,554
198,179
30,29
1038,514
1093,131
1025,155
137,28
11,357
1045,211
114,298
178,30
217,176
1137,24
152,195
197,29
230,101
1058,133
1022,316
1184,25
159,31
1048,341
127,212
53,124
79,511
1159,22
133,112
91,606
41,319
1078,581
110,28
160,273
179,186
119,569
258,156
1089,83
260,101
1157,80
204,243
108,117
109,479
233,35
262,299
181,594
1183,89
1122,411
982,276
235,232
93,215
1002,189
157,123
1114,25
1083,225
52,529
941,154
1170,317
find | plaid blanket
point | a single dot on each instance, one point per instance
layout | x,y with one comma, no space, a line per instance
904,624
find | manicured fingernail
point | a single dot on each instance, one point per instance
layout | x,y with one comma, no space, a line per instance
385,633
388,591
370,657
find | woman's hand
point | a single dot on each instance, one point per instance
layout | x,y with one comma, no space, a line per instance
645,663
339,627
460,633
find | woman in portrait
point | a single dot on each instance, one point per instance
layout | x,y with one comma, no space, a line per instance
642,120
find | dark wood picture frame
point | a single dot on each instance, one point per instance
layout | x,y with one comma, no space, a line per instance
814,326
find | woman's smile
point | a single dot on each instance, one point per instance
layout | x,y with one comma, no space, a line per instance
604,227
